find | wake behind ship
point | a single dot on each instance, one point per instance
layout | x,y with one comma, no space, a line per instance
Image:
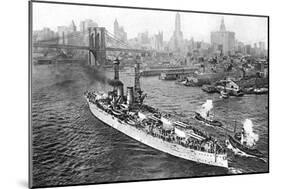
129,115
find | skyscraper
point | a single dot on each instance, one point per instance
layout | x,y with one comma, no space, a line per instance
222,26
119,31
178,23
223,40
176,42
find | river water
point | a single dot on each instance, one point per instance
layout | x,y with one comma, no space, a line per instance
70,146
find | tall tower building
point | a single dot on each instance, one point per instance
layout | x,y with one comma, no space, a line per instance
177,38
119,31
223,41
178,23
116,27
222,26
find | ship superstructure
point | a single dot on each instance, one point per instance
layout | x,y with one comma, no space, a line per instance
129,115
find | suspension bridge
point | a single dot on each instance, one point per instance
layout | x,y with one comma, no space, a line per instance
97,42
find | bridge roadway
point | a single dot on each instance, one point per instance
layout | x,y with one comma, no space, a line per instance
61,46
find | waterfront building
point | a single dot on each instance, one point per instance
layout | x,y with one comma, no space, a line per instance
143,38
248,49
44,34
223,41
262,49
240,47
69,35
262,45
157,41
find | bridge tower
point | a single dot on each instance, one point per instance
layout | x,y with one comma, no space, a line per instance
97,51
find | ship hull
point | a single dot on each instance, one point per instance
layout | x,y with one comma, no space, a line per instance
177,150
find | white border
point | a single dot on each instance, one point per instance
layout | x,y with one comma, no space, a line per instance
14,93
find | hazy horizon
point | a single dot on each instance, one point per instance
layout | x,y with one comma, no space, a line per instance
247,29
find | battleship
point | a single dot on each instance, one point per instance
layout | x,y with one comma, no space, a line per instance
129,115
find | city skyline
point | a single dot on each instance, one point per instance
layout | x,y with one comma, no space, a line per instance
198,26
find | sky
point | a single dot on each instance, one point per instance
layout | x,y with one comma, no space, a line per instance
197,25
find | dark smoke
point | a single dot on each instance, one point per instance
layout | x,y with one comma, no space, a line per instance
95,75
114,83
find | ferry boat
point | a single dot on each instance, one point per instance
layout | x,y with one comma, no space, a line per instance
129,115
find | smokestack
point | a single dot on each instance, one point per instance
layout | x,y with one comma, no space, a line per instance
137,76
120,92
130,95
116,63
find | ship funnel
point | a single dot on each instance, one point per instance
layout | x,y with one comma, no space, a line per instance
130,95
137,74
116,63
120,92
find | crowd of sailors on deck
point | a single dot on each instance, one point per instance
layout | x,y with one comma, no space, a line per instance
207,145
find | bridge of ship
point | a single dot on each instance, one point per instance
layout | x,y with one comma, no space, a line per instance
99,41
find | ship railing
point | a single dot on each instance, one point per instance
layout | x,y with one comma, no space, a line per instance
191,144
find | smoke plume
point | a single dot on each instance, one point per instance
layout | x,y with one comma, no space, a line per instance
250,137
206,107
95,75
114,83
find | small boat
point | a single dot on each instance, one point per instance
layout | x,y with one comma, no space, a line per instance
207,120
224,94
237,93
183,82
235,142
209,89
260,90
238,141
249,90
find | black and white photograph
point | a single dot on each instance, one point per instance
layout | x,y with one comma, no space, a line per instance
122,94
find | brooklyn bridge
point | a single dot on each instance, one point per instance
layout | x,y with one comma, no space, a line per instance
99,42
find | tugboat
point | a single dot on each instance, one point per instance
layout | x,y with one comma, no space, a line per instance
204,115
129,115
239,141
